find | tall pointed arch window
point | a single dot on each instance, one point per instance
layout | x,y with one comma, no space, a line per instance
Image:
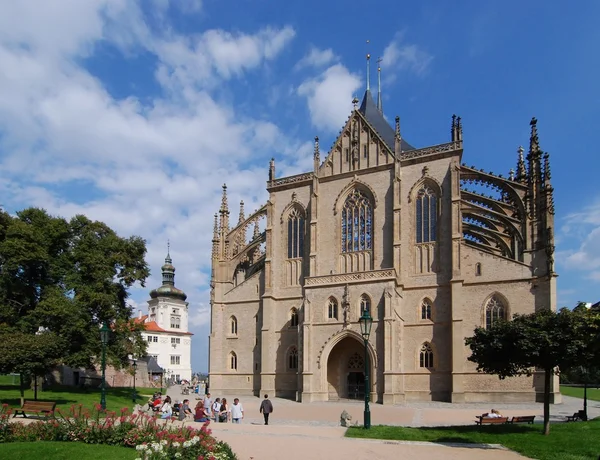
494,311
426,356
332,308
293,359
426,215
426,309
233,325
365,305
295,234
293,318
357,223
233,361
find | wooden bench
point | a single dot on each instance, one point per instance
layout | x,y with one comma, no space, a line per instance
36,407
491,420
523,419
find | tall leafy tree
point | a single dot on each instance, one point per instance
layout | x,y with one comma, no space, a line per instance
545,340
66,278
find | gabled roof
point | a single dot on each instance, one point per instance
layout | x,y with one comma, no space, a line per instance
152,326
370,111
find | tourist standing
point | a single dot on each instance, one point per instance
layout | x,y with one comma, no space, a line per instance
207,403
224,413
237,411
216,408
266,407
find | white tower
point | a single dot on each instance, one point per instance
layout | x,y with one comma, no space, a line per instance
169,340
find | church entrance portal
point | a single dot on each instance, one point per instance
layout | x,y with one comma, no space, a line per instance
346,370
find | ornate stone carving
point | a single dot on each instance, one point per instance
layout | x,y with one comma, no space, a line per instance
291,179
441,148
350,277
346,306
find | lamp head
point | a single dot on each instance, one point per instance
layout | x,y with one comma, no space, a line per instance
366,321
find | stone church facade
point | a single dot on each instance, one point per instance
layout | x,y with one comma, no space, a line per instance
407,233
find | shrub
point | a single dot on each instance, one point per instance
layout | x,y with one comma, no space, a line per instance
151,437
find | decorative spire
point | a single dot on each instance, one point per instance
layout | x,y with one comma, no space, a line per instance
547,173
316,151
397,138
511,174
534,142
458,130
216,239
256,233
316,157
272,170
368,69
379,101
242,217
168,270
453,134
355,102
224,211
521,171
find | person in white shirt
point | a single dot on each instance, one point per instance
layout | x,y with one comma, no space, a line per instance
237,411
216,408
166,409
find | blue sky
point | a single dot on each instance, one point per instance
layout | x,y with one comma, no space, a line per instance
135,112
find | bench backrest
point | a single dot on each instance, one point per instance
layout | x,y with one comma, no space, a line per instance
494,420
39,405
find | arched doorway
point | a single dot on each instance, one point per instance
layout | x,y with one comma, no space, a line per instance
346,370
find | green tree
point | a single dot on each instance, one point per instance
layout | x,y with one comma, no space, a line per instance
545,340
67,277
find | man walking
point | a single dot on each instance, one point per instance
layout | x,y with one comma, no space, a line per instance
237,411
266,407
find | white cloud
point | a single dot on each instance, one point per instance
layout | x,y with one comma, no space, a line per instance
401,56
152,167
582,229
329,96
316,58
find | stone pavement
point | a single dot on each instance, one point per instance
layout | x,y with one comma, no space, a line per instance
299,431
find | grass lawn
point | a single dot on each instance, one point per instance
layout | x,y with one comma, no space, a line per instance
65,451
567,441
116,398
577,392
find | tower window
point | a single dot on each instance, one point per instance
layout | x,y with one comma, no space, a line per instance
332,308
295,234
294,318
357,223
494,311
426,215
426,356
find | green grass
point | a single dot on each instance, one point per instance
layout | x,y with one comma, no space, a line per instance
577,392
116,398
65,451
567,441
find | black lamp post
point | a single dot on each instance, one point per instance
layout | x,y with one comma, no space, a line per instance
134,397
365,329
104,332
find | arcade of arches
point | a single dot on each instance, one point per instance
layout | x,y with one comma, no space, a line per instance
346,370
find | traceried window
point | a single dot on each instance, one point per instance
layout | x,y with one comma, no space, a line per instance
426,215
295,234
332,308
293,318
426,309
426,356
365,304
233,361
293,359
233,325
494,311
357,223
356,361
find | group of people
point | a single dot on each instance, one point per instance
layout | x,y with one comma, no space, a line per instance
220,411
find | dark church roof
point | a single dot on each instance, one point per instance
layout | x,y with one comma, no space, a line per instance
376,119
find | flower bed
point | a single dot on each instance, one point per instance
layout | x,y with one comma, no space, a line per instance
152,438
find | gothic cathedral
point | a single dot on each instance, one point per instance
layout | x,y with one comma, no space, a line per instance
429,246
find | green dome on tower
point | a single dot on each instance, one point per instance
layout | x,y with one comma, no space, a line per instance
168,288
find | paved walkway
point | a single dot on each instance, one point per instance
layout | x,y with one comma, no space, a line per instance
299,431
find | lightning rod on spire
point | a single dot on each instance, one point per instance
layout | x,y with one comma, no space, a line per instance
368,68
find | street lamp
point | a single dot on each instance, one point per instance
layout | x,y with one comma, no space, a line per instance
104,332
365,330
134,397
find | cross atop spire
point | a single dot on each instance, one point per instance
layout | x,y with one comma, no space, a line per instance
368,69
379,101
168,251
